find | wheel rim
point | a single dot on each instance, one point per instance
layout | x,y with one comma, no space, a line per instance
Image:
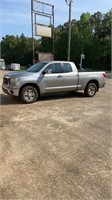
29,95
91,90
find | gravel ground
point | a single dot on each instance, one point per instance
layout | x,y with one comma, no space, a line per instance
58,148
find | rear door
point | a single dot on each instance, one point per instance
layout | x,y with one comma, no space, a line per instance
70,77
52,80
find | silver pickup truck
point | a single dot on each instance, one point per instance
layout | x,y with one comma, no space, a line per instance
51,77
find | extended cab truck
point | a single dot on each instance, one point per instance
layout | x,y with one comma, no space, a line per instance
50,77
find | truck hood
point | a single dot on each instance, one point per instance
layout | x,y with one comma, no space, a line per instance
18,74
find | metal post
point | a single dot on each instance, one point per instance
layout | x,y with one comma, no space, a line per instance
69,33
81,62
33,48
44,13
81,58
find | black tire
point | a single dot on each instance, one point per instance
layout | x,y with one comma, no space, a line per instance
29,94
90,90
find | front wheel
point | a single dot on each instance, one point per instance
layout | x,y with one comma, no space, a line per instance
90,90
29,94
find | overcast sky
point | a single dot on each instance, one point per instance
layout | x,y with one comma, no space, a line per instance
15,15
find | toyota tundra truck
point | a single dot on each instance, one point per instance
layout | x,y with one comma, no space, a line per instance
51,77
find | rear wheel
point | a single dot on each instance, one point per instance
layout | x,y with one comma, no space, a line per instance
29,94
90,90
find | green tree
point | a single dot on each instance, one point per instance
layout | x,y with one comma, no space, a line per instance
46,44
90,35
18,49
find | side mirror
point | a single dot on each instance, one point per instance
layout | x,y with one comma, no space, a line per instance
47,71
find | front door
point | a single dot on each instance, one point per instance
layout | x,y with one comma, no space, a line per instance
52,80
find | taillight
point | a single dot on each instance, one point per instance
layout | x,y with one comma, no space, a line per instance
104,75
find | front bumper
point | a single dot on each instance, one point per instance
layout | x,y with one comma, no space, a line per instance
10,91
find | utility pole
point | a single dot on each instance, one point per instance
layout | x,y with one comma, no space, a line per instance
69,2
53,29
33,48
69,33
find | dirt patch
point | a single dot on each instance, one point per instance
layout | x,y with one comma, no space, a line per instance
57,148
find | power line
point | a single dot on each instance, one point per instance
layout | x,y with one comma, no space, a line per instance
20,26
19,22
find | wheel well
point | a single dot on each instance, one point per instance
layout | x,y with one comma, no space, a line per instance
94,81
30,84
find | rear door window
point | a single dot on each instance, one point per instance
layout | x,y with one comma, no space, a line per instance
67,68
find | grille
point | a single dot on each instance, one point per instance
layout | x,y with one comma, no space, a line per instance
6,80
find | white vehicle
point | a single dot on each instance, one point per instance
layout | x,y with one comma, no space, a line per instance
2,64
3,67
15,66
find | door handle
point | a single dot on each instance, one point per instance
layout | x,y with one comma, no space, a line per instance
59,76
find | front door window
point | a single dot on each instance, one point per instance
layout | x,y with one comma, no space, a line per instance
54,68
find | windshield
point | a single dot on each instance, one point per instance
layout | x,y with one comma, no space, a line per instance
36,67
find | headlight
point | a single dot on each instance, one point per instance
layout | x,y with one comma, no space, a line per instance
14,80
